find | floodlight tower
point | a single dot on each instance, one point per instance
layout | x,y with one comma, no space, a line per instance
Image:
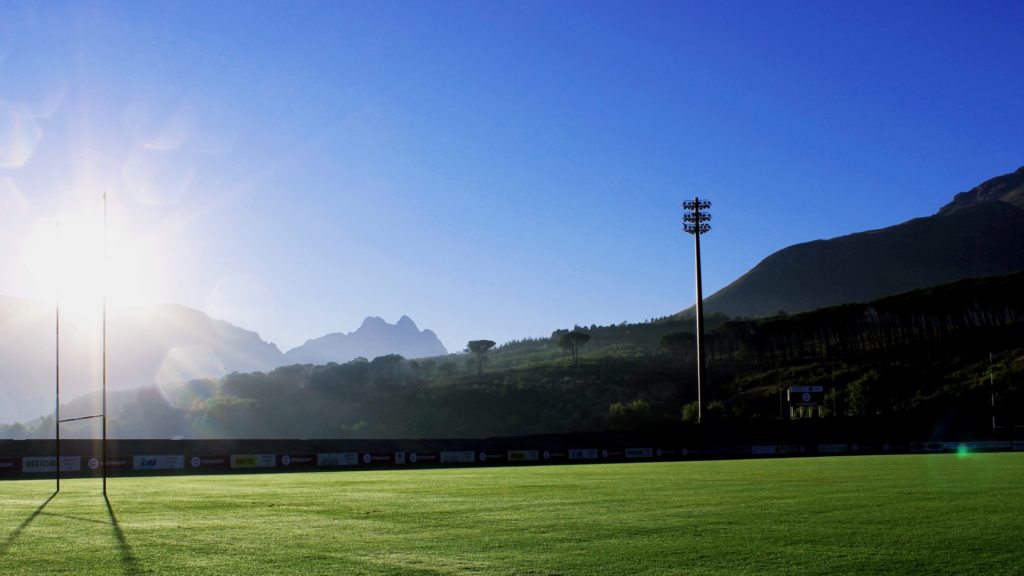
695,221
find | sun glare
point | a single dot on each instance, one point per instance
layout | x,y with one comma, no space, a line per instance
74,262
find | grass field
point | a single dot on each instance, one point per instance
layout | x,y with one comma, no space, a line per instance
920,514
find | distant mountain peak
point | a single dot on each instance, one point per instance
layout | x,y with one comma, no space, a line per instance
370,323
374,337
1008,188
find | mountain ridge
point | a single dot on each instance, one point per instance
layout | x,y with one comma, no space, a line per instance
1008,188
162,346
980,233
374,337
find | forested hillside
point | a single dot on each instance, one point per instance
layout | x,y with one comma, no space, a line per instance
941,354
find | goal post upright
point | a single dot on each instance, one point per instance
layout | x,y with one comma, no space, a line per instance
57,420
56,410
103,457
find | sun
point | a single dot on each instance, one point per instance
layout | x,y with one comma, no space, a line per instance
78,262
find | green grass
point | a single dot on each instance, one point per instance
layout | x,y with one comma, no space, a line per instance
923,514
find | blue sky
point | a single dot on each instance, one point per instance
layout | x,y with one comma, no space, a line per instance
491,169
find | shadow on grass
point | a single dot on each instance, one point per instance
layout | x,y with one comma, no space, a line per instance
129,563
13,536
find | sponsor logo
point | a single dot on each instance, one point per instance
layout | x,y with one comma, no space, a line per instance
462,457
32,464
400,458
297,460
833,448
253,460
94,463
8,465
639,452
209,461
524,455
1018,444
583,454
338,459
165,462
423,457
414,457
377,458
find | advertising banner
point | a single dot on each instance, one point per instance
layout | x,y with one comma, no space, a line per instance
805,395
833,448
337,459
296,460
220,461
583,454
32,464
492,456
461,457
9,466
554,455
639,453
423,458
400,458
162,462
1018,444
113,463
378,458
253,460
990,445
523,455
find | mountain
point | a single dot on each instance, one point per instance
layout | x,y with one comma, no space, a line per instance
375,337
162,346
1007,188
980,233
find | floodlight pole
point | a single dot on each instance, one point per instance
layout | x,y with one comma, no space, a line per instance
695,221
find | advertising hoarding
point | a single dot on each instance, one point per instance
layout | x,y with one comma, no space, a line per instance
253,460
337,459
458,457
160,462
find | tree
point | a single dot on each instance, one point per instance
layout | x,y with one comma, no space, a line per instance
479,349
680,344
572,342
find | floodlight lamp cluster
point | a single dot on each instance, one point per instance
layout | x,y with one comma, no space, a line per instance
695,221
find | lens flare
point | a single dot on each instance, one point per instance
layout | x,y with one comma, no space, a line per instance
158,177
19,135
